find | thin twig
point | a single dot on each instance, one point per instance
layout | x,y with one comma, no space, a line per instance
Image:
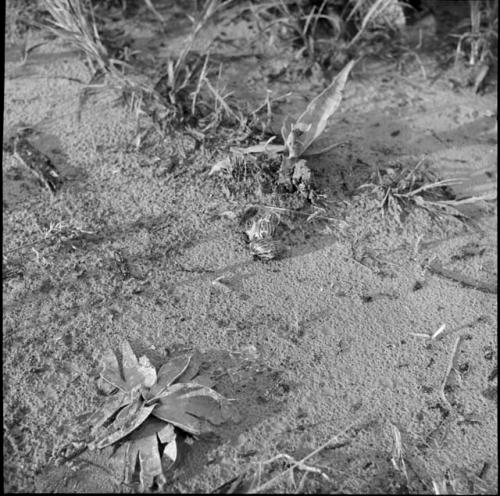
275,479
444,182
439,331
437,267
300,465
280,209
463,201
451,365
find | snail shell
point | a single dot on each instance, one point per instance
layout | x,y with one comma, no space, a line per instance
265,249
262,227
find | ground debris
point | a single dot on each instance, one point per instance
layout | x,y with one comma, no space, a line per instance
33,159
436,266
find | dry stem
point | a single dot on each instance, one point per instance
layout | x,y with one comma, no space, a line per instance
300,463
450,367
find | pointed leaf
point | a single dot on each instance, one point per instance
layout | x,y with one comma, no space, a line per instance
187,406
173,369
134,372
170,454
131,454
129,419
206,408
192,369
153,427
143,444
314,120
179,418
129,365
286,128
110,407
111,372
167,374
150,461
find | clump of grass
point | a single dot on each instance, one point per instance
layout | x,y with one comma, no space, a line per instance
183,95
329,33
398,189
252,480
20,17
73,21
479,42
69,21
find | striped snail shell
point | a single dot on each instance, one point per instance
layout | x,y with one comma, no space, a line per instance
262,227
265,249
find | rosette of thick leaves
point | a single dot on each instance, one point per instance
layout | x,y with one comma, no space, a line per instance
147,406
133,375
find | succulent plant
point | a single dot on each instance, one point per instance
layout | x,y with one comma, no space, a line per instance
149,407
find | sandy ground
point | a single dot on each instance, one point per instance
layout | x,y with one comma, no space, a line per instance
307,344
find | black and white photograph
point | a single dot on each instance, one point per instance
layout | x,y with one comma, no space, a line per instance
250,247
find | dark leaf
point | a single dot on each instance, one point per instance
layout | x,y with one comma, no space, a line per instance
189,406
167,374
129,419
110,407
111,372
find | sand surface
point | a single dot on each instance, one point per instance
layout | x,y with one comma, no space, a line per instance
307,344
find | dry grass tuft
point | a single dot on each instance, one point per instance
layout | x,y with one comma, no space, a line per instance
398,189
479,42
328,33
184,95
251,481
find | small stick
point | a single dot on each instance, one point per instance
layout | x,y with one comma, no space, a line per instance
397,459
271,482
448,371
311,153
463,201
438,332
437,268
437,184
268,101
299,213
300,465
420,335
300,489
